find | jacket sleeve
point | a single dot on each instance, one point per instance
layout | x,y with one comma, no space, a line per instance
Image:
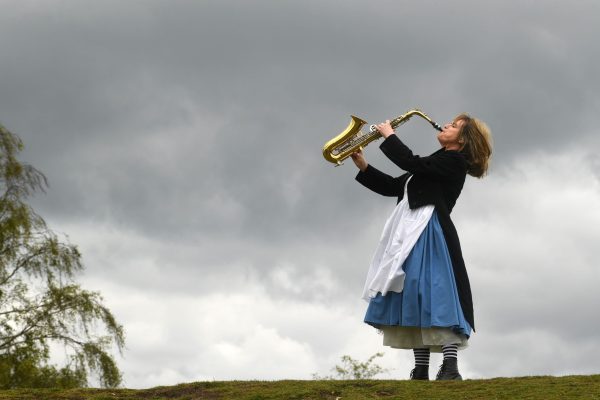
380,182
441,164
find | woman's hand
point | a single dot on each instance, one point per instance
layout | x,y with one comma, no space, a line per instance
385,128
359,160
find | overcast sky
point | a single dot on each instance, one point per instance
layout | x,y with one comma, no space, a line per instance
182,142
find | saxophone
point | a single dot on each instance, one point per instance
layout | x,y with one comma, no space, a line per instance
352,139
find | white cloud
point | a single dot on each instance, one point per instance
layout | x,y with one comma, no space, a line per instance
239,334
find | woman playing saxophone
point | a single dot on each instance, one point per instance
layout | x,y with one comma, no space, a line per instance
417,285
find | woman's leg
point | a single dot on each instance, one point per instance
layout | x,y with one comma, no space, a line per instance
449,369
421,370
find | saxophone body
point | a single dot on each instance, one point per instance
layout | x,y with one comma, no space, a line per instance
352,139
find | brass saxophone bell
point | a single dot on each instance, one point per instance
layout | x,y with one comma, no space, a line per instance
340,147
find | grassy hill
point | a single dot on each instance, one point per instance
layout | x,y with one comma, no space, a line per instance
536,387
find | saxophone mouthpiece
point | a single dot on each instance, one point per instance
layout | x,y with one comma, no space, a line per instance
436,126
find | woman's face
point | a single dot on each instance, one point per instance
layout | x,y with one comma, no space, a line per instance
450,134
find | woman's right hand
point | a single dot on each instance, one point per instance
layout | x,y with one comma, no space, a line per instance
359,160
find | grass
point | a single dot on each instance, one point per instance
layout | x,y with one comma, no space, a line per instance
535,387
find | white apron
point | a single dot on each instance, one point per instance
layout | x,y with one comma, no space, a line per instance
400,233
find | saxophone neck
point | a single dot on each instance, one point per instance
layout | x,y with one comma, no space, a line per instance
407,115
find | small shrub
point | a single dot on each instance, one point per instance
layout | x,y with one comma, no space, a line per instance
354,369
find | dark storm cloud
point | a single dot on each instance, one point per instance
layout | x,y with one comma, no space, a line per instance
205,119
179,118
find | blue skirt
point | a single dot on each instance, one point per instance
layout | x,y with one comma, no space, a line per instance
429,298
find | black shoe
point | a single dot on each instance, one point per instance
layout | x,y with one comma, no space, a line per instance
420,373
449,371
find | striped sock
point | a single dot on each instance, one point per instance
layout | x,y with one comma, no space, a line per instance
450,351
421,357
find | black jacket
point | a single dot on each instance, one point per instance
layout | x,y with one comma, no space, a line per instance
437,179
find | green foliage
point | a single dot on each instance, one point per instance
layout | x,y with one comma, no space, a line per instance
40,302
354,369
27,368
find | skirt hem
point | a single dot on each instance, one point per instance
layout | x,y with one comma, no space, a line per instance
408,337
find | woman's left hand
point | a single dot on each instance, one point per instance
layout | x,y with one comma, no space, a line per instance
385,128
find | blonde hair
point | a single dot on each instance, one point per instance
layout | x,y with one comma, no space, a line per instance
476,144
